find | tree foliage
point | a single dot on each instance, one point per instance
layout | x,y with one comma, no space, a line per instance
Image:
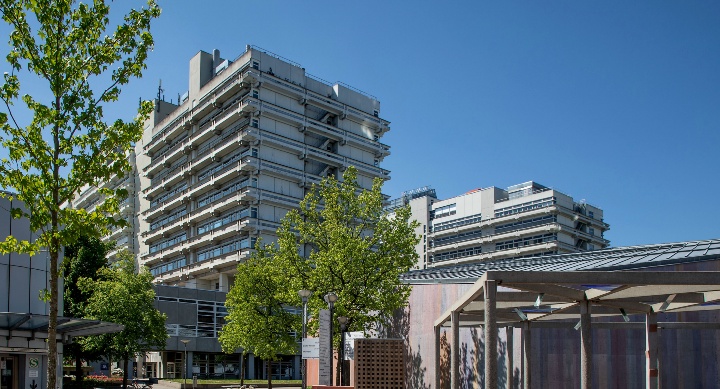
69,51
257,320
83,259
121,296
353,248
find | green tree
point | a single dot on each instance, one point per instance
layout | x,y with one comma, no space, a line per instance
257,319
121,296
352,247
69,51
83,259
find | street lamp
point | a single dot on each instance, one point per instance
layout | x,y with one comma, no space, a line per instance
343,320
185,342
330,299
304,294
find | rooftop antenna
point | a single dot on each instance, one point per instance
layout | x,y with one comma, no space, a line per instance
159,96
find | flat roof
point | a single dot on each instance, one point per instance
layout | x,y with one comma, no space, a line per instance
29,325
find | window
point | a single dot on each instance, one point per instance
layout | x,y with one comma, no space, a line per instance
255,94
376,113
591,246
591,231
591,214
256,65
447,210
254,123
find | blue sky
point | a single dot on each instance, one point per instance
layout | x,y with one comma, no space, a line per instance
614,102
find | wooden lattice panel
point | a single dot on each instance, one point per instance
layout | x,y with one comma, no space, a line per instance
379,364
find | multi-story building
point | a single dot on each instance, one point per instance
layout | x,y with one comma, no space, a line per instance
89,197
491,223
249,138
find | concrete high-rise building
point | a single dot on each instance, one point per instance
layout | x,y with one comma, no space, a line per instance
491,223
247,141
217,171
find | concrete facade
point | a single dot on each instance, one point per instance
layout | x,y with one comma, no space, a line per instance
492,223
217,171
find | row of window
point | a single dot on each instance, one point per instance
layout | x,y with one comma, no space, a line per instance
528,241
171,193
167,243
522,224
226,248
524,207
231,189
455,238
168,266
468,252
463,221
210,171
446,210
168,219
234,216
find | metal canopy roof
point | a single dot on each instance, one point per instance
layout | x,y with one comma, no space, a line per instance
537,296
36,326
621,258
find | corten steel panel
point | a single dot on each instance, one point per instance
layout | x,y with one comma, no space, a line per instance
379,364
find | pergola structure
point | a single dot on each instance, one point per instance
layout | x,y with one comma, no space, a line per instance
533,299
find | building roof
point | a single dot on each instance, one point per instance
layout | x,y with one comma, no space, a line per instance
620,258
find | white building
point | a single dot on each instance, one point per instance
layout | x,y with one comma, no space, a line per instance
220,170
491,223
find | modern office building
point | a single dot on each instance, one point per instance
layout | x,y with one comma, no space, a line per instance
491,223
124,238
216,172
249,138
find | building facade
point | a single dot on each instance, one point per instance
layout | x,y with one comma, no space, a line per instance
216,172
247,141
492,223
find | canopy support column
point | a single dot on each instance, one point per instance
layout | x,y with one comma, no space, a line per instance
455,350
585,346
651,343
526,342
491,335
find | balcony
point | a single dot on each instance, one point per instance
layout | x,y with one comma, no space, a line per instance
234,85
165,136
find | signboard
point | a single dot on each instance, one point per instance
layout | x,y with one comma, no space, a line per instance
325,349
103,366
311,348
350,343
34,362
32,373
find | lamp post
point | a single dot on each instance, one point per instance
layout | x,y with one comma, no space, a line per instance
185,342
304,294
343,320
330,299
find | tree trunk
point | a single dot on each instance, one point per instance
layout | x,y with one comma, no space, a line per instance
78,368
125,373
52,324
269,373
242,369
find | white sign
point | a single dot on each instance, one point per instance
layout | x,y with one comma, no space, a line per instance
32,373
311,348
350,343
325,349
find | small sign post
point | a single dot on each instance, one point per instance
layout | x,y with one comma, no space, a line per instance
325,349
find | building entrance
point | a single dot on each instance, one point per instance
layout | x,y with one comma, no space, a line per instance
8,372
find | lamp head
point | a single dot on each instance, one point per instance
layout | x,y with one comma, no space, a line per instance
330,298
342,320
304,294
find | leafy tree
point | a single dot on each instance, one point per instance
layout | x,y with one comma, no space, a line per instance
257,320
64,48
353,247
83,259
119,295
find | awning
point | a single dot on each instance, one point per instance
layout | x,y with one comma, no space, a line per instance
33,326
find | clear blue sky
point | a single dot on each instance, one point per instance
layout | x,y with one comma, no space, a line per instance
614,102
